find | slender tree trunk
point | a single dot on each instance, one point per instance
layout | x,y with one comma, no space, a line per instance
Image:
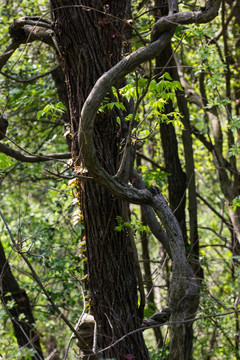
177,178
149,284
178,183
90,43
24,328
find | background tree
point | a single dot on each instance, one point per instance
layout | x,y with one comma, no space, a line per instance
20,310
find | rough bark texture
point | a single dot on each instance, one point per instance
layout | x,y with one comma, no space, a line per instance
24,329
91,43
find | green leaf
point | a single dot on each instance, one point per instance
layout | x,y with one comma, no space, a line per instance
236,203
5,161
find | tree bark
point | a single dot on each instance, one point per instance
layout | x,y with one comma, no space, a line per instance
177,188
90,45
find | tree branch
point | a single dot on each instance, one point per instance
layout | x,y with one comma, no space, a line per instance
234,8
189,17
154,164
225,221
26,30
150,217
8,52
32,158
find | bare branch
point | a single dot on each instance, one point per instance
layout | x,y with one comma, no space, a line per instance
158,318
154,164
193,319
8,52
200,136
32,158
183,18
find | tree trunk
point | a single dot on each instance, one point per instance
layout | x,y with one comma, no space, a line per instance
90,45
177,187
24,328
149,283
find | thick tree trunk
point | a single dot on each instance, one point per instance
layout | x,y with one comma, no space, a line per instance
90,43
24,328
